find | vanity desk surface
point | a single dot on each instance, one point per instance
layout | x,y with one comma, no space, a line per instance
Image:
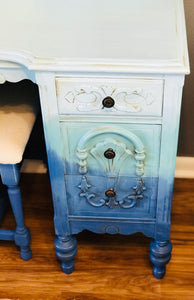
110,75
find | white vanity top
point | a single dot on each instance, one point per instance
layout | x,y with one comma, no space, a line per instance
124,35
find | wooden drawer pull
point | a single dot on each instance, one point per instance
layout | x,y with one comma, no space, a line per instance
108,102
109,153
110,193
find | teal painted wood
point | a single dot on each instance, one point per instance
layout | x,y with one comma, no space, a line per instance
138,66
54,151
169,138
86,144
21,235
141,172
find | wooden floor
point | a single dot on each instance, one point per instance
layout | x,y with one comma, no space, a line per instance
107,267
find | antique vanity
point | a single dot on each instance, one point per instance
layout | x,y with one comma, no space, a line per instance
110,75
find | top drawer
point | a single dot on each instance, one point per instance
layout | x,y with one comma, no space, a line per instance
107,96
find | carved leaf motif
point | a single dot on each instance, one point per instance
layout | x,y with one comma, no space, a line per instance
70,97
91,198
111,166
83,150
108,90
131,200
90,98
84,186
86,98
132,100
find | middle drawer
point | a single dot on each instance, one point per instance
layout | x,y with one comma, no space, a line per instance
108,96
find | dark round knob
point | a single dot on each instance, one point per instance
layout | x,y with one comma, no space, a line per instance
110,193
109,153
108,102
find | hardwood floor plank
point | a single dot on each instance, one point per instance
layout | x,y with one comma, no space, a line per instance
107,267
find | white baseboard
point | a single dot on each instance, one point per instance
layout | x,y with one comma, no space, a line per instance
184,167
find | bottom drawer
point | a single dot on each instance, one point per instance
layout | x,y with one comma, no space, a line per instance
125,204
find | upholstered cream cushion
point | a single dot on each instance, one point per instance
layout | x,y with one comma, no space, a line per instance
18,109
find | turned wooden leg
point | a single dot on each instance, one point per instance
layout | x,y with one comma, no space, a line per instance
3,199
160,254
66,250
22,233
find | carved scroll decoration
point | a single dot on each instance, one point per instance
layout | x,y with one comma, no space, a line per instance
90,98
128,202
112,167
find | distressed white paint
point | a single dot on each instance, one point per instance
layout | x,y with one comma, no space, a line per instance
103,35
132,96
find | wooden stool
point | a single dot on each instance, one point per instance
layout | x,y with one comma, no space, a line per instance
18,110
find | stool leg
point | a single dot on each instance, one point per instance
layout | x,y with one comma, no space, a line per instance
22,233
3,199
10,175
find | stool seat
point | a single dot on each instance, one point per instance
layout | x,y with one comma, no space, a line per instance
17,117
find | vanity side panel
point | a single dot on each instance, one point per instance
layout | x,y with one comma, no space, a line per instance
169,140
54,150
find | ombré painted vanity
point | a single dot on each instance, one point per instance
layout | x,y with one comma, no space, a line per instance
110,75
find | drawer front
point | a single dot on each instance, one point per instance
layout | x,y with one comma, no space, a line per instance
111,170
141,97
